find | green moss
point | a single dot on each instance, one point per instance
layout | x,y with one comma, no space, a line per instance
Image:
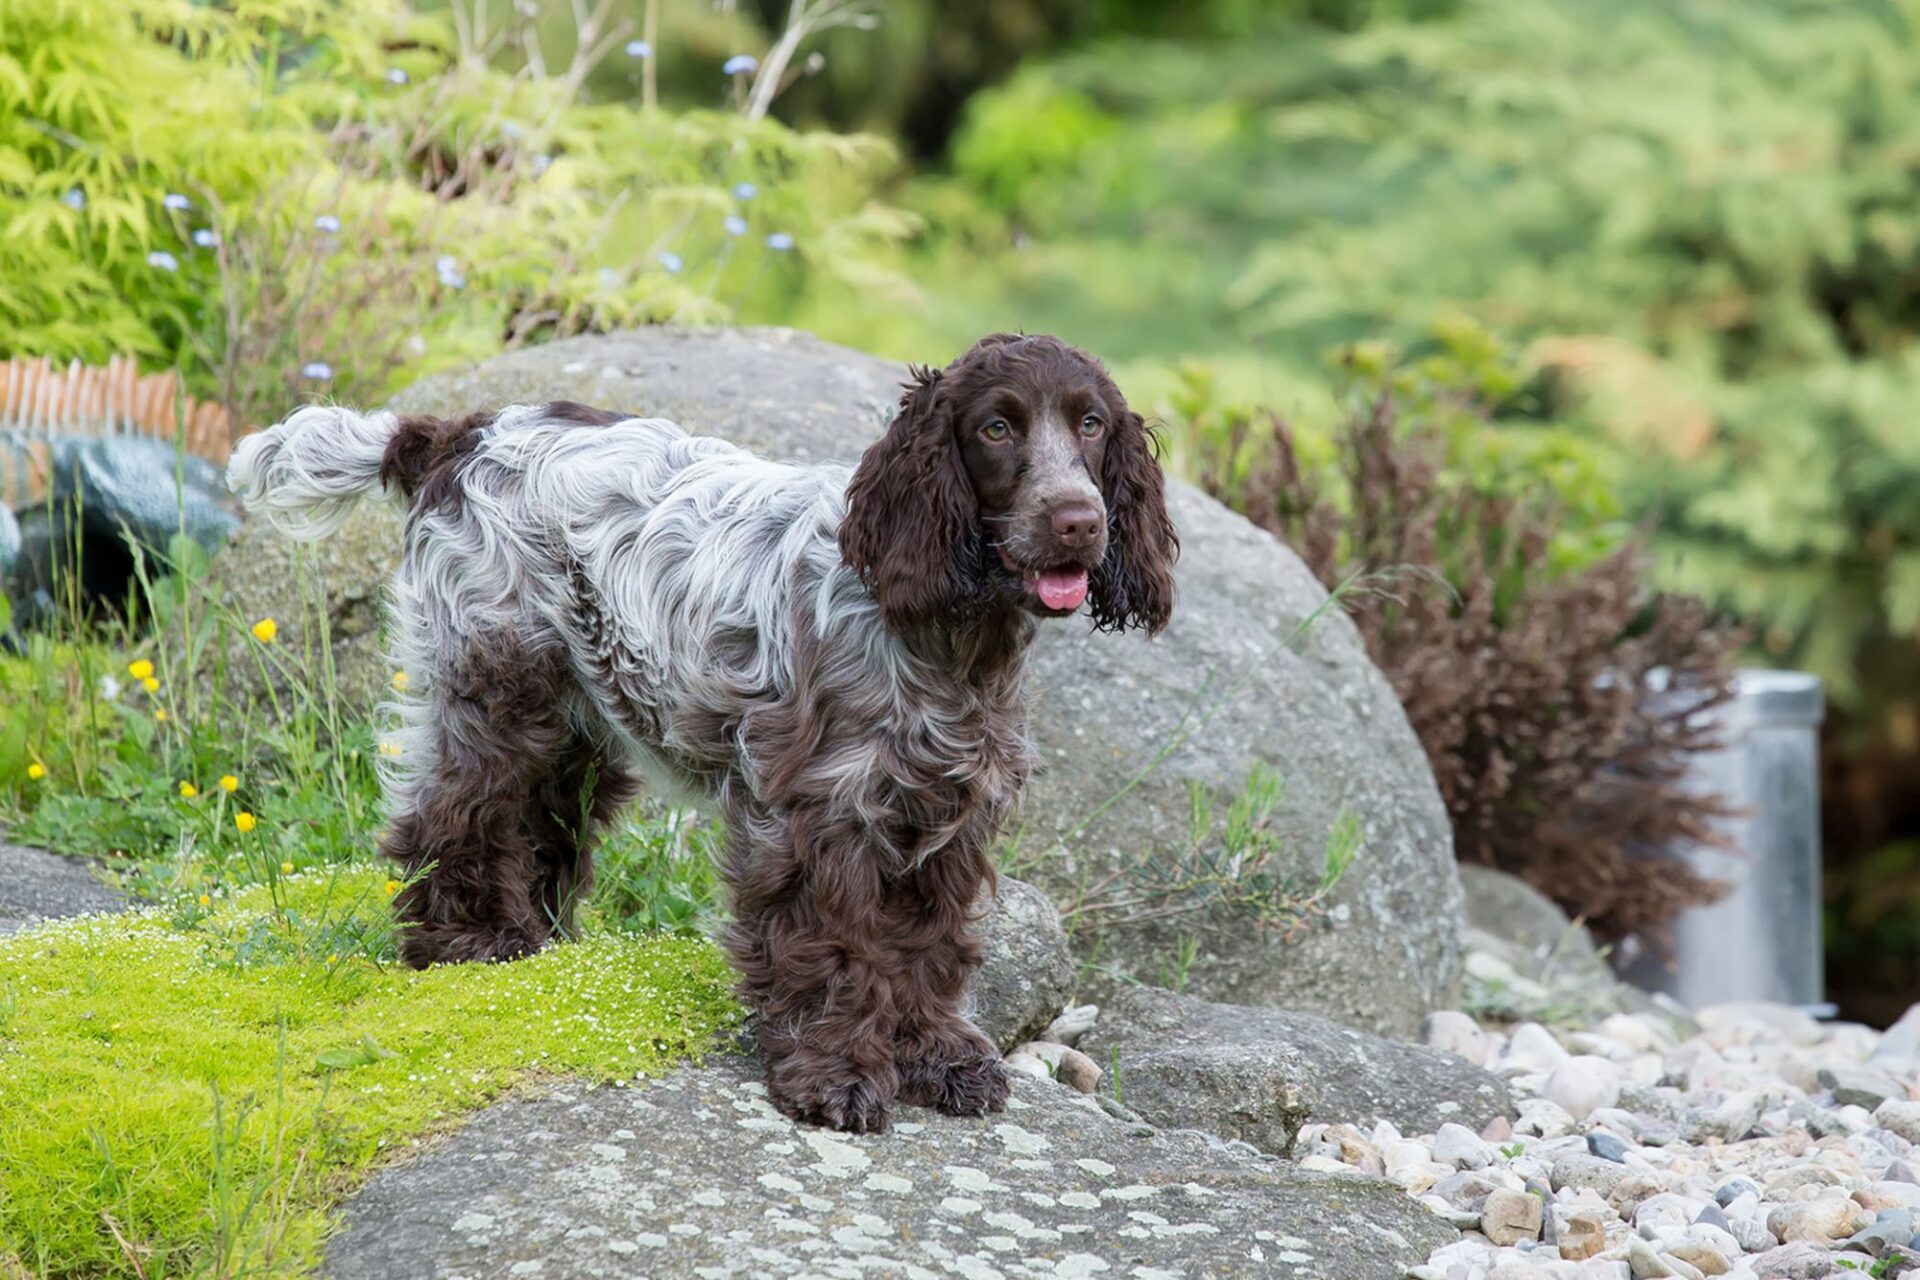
169,1104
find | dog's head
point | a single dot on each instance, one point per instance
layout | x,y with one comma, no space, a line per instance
1016,477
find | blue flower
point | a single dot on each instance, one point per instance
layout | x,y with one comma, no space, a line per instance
780,242
163,260
735,225
510,129
206,238
639,49
745,191
671,261
174,200
74,199
609,277
327,223
541,163
396,76
448,268
319,371
741,64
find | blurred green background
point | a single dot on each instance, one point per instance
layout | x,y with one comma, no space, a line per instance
1675,245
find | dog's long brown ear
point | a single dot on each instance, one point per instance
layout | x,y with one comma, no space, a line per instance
1133,585
911,514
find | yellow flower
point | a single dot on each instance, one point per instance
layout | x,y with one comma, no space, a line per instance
389,748
160,714
265,630
286,868
151,684
36,771
400,681
205,901
332,958
141,670
393,887
188,790
229,783
244,821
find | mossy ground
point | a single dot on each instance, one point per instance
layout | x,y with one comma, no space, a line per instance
180,1097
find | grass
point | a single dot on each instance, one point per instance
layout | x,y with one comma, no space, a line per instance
188,1089
170,1104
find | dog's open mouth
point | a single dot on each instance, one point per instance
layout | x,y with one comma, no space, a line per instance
1060,590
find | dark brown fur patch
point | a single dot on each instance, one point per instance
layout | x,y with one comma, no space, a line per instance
423,457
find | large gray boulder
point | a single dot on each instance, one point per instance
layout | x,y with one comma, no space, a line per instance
1228,689
1259,1074
698,1175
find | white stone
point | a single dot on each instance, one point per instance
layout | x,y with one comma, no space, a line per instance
1584,1083
1451,1031
1533,1048
1461,1147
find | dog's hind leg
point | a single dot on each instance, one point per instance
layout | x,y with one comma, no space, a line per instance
470,821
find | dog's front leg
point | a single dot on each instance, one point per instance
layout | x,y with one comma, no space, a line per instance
945,1061
815,965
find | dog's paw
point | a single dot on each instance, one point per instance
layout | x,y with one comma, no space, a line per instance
973,1085
855,1107
423,945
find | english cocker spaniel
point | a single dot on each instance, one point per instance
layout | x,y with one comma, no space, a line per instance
835,659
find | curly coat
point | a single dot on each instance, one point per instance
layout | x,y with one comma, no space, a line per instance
587,598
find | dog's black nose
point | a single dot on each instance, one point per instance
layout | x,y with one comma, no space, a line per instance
1077,524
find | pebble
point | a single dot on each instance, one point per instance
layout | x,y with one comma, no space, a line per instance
1451,1031
1583,1084
1509,1217
1461,1147
1860,1086
1074,1022
1607,1147
1753,1143
1584,1235
1821,1220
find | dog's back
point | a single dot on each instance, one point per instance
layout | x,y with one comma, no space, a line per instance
662,571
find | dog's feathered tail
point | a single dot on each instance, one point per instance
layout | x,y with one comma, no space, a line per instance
305,476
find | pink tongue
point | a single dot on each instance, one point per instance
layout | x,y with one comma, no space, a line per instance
1061,588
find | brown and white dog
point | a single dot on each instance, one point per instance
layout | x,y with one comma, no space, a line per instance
837,661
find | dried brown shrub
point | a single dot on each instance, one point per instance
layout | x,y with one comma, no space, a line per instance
1558,709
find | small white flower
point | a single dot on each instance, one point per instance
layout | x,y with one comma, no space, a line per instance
109,688
206,238
163,260
396,76
741,64
541,163
735,225
448,269
639,49
745,191
318,370
327,223
510,130
174,200
780,242
609,277
671,261
74,199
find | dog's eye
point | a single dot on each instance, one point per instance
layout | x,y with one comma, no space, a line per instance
997,429
1090,425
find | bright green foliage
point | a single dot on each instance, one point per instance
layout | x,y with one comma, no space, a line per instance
165,1082
1703,211
368,192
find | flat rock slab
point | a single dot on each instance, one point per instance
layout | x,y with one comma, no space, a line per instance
36,885
1258,1074
696,1175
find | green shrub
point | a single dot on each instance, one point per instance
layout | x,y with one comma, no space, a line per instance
369,194
1701,208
